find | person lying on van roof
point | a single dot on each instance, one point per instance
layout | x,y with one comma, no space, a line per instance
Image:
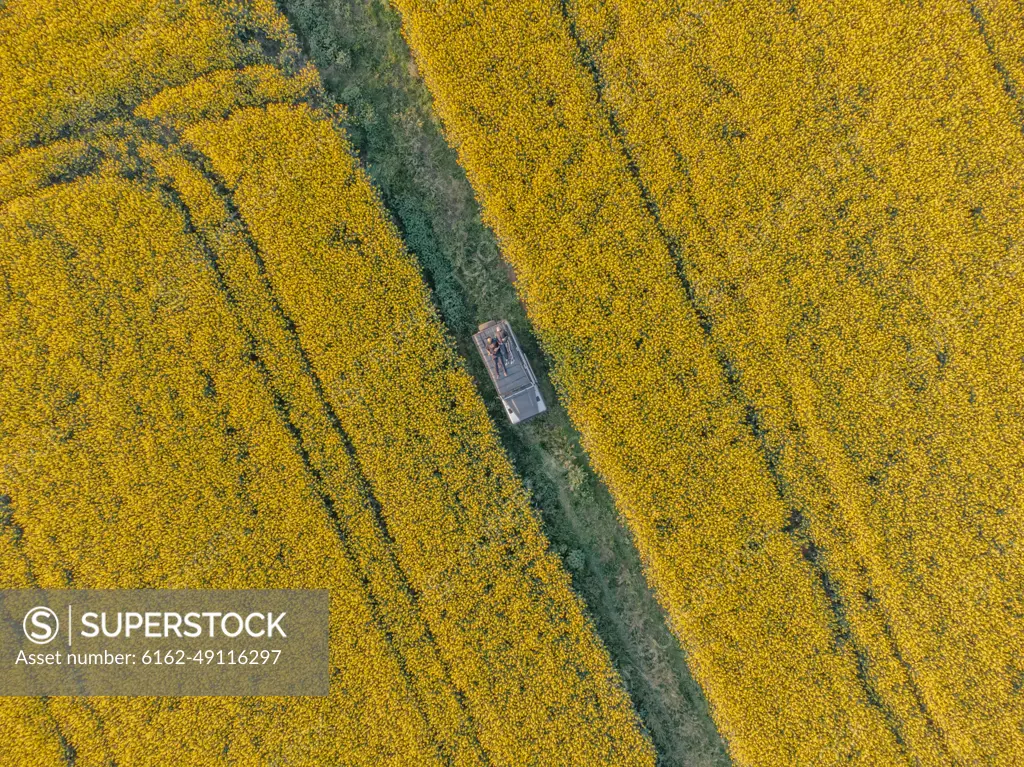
494,349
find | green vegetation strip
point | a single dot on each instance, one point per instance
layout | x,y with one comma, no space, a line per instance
365,65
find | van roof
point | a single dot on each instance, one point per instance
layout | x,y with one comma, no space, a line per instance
519,375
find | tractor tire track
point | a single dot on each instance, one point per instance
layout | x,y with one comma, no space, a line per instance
1010,85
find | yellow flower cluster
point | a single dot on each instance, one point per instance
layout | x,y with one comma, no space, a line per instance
224,371
774,255
114,53
32,169
217,94
1000,25
30,737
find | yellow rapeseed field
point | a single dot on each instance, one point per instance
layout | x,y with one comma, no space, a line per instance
163,452
774,253
220,368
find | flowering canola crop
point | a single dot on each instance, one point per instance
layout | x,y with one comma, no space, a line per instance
774,255
220,368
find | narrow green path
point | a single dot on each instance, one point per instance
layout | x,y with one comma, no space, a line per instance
365,64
